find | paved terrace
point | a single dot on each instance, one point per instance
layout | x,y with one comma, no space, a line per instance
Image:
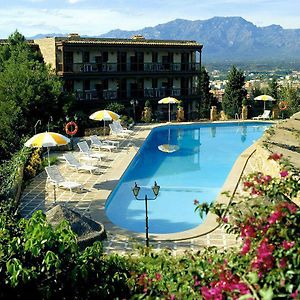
39,195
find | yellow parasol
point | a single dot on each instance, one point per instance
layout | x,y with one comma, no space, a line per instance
104,115
264,98
47,139
169,100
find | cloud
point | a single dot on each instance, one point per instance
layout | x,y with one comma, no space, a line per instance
94,17
84,21
73,1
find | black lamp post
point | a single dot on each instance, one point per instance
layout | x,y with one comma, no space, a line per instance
134,103
136,190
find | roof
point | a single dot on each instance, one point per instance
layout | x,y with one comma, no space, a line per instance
140,41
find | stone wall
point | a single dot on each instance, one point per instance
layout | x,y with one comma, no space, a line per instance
47,48
259,162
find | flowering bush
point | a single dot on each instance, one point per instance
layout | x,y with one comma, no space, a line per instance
265,266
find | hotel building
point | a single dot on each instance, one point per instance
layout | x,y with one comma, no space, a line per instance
103,70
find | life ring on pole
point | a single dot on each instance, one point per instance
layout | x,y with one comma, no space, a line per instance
71,128
283,105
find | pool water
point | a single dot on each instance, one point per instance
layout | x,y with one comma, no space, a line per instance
197,170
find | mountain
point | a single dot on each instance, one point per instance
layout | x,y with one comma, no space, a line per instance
226,38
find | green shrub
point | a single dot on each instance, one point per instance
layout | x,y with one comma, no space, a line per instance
41,262
116,107
33,164
10,172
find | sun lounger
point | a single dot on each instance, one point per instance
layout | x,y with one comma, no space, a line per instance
74,163
117,132
98,144
265,115
119,127
56,178
85,149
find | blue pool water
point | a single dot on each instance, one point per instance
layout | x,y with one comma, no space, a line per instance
197,170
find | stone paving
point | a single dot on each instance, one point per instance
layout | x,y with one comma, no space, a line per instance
39,194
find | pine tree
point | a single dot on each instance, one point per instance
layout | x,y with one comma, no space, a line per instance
234,92
273,88
206,98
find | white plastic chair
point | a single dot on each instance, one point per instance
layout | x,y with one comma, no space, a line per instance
56,178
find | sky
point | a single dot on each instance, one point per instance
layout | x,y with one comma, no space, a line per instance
95,17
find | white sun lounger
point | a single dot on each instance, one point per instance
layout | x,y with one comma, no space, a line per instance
98,144
119,127
265,115
115,131
74,163
56,178
85,149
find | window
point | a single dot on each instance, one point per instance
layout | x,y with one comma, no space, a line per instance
86,57
86,85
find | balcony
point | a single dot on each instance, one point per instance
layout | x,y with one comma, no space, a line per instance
148,93
128,68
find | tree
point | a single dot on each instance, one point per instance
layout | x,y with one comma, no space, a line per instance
234,92
273,88
206,98
292,97
29,91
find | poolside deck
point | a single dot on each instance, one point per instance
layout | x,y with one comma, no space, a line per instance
91,202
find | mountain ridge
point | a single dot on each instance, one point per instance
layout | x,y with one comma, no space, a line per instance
225,38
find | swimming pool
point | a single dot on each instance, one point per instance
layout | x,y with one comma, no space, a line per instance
197,170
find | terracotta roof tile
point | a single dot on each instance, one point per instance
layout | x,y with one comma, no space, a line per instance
107,41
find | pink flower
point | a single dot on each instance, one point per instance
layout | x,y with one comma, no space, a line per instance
196,283
248,231
292,208
267,178
295,294
275,156
287,245
172,297
265,229
248,184
225,219
246,247
264,259
283,263
255,191
284,173
196,202
275,216
158,276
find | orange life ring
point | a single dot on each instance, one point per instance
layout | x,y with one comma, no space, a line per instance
283,105
68,128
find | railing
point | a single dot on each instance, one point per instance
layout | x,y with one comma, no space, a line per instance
135,93
127,67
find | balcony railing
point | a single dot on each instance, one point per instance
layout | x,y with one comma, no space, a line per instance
150,93
128,68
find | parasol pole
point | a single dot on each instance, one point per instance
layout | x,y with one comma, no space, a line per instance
169,112
104,129
48,157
